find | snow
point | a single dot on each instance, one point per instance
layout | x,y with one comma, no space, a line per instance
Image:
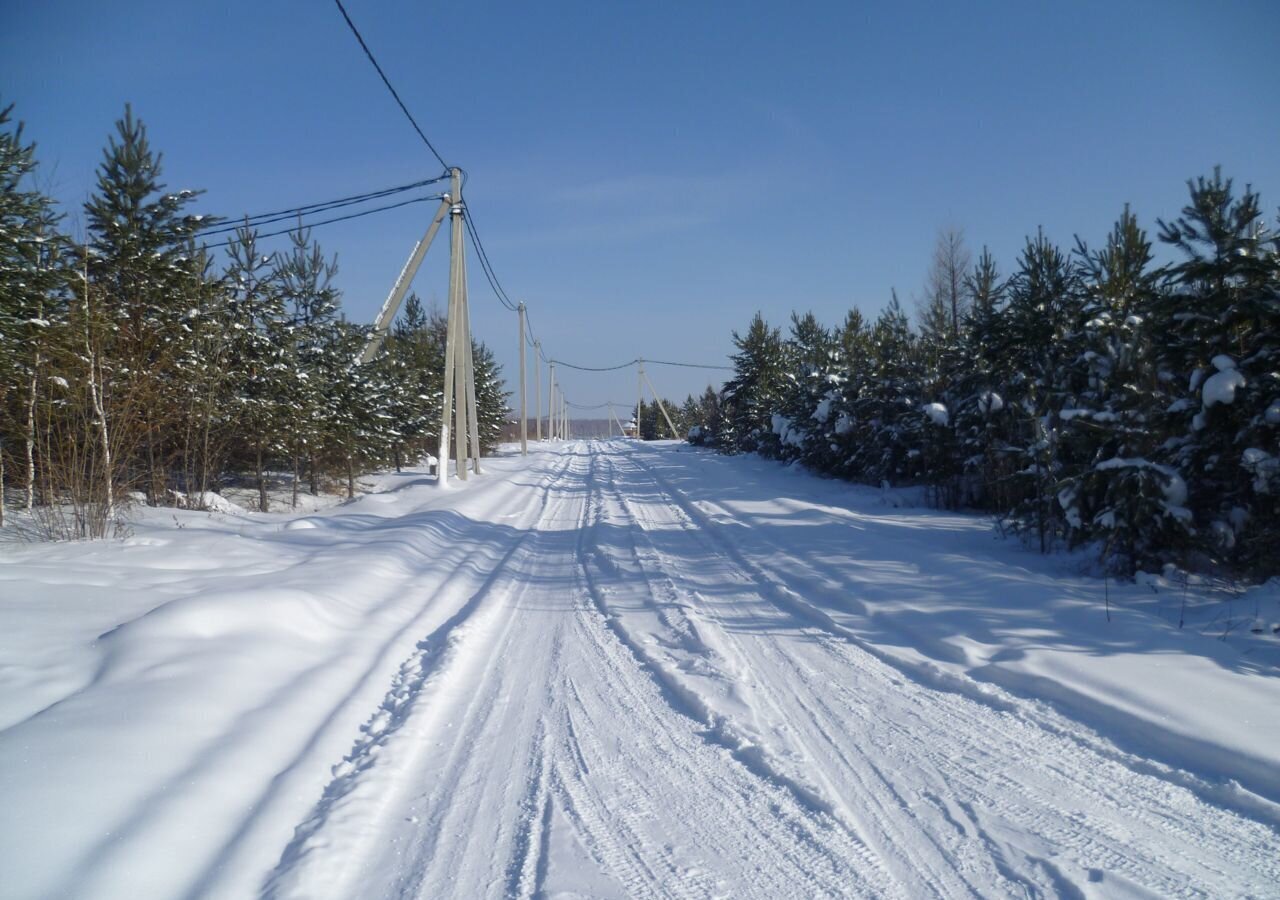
782,428
1221,387
1174,487
1263,466
937,413
618,669
1272,414
823,411
990,402
1223,363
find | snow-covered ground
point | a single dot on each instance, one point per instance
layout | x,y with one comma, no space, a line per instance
624,670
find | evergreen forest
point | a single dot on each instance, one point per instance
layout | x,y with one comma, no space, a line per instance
146,363
1085,397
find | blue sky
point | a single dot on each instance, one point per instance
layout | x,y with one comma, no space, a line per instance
646,176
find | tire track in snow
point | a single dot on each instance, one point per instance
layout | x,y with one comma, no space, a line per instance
1151,827
439,659
860,795
816,817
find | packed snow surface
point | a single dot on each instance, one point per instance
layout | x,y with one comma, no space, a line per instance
618,669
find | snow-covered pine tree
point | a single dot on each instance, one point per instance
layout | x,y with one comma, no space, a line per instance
203,378
981,419
1044,308
260,386
755,391
1220,353
1122,498
800,422
305,280
852,371
32,307
492,407
141,272
890,418
414,362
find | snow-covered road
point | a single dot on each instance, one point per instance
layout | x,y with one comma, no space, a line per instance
610,670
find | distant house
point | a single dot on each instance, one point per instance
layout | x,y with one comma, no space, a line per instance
630,429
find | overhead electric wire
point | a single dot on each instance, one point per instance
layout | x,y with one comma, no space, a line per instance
597,406
626,365
484,261
485,266
312,208
404,109
685,365
355,215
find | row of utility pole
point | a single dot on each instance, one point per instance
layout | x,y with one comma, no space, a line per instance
458,408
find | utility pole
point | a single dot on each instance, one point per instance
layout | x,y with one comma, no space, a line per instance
551,401
473,420
451,385
537,386
639,394
610,421
524,418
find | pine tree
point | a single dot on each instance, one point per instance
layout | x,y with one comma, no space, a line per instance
142,272
31,305
850,380
811,354
892,416
754,393
492,407
1044,308
1220,327
981,419
259,392
1121,498
305,280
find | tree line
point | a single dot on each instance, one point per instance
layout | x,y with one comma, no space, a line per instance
1089,397
140,363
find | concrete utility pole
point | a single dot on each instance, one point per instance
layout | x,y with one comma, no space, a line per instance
537,386
639,394
524,417
473,420
551,401
451,333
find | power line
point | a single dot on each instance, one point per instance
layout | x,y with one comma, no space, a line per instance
580,406
685,365
404,109
626,365
356,215
311,208
485,265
